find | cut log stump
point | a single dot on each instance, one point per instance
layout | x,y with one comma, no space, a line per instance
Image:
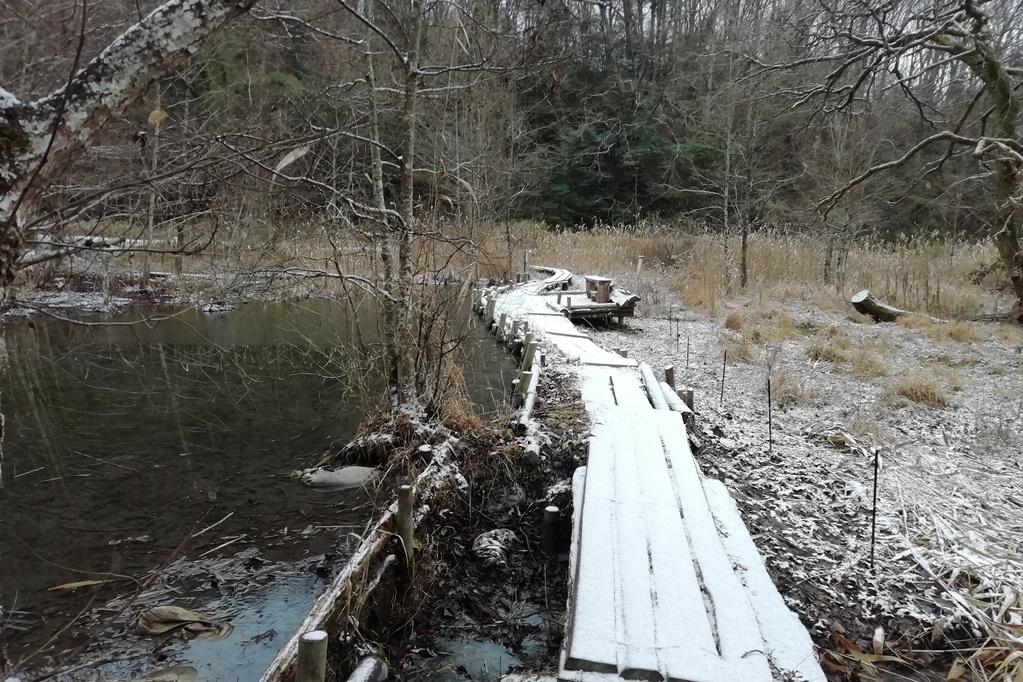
868,304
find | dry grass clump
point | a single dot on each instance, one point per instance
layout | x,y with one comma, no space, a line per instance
921,388
740,350
957,331
961,331
734,321
1010,334
916,321
762,326
833,349
868,364
786,391
826,351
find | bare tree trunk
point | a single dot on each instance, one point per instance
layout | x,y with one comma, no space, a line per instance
392,321
406,370
153,163
744,251
1007,229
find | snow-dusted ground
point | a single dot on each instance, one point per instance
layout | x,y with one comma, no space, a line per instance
950,513
666,582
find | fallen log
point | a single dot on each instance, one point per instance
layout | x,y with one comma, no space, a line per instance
529,396
676,404
868,304
653,387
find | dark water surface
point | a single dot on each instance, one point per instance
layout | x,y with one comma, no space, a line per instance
125,442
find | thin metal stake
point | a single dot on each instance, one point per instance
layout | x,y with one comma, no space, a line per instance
770,434
687,351
724,363
873,513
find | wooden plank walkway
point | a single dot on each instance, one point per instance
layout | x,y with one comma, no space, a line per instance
666,583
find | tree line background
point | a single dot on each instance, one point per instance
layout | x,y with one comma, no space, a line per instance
570,112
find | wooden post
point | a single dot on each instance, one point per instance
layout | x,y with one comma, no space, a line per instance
550,530
687,397
559,299
500,325
569,304
639,265
489,315
406,500
528,354
311,663
514,330
524,380
669,376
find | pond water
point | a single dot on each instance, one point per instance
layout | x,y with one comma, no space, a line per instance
168,445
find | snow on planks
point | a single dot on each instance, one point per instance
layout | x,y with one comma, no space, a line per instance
666,583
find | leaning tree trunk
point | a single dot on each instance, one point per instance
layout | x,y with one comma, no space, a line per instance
983,59
40,139
1008,232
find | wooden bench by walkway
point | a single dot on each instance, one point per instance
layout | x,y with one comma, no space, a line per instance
666,583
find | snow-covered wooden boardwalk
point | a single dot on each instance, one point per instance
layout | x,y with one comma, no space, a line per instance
666,583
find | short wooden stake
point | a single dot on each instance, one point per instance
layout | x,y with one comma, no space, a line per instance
687,398
311,662
551,536
669,376
724,364
873,511
569,303
406,501
501,324
639,265
559,299
514,330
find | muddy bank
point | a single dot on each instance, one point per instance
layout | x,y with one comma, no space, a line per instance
487,600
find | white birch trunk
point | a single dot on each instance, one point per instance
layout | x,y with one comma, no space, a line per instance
38,140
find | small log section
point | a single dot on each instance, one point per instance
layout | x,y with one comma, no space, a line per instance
868,304
665,581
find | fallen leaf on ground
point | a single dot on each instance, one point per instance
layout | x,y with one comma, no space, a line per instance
162,620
